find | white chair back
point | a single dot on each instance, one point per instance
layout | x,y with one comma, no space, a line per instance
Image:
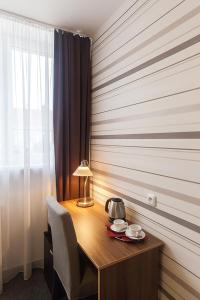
65,248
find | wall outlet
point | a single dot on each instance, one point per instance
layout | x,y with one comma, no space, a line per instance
152,200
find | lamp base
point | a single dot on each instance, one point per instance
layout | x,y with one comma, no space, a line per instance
85,202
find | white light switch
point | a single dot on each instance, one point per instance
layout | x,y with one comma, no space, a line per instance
152,200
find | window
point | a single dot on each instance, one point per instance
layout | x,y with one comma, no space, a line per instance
26,106
26,143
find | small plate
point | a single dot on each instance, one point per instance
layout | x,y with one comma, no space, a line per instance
112,227
141,237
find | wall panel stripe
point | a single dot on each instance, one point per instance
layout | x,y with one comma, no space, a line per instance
145,128
164,135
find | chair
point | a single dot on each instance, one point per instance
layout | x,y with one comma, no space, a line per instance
66,257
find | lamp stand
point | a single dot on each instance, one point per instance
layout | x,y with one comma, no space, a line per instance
86,201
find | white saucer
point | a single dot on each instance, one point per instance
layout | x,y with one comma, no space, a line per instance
141,237
113,228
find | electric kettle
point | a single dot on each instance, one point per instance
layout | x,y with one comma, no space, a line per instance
115,209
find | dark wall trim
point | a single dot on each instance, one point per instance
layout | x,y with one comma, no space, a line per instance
159,135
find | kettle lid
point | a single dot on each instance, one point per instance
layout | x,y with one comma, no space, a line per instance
116,200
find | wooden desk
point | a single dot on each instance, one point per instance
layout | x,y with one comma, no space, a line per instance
126,271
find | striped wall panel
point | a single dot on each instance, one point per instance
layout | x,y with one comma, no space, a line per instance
145,128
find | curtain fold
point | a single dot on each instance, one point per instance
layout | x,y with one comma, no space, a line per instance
26,142
71,113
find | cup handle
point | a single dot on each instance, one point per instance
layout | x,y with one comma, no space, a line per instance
138,234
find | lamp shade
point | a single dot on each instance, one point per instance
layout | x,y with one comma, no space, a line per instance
83,169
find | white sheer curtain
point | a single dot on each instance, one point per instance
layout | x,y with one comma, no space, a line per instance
26,142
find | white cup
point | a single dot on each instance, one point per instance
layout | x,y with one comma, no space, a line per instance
120,224
134,230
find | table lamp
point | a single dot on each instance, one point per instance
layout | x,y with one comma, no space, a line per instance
84,171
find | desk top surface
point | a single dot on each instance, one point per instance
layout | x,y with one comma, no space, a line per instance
91,234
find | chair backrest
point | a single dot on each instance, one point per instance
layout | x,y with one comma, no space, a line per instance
65,247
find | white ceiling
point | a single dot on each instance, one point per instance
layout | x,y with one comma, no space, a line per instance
84,15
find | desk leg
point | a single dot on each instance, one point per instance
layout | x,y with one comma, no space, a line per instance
136,278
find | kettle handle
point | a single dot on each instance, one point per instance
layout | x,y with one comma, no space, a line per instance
106,205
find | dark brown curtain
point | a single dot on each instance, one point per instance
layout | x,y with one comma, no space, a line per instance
72,102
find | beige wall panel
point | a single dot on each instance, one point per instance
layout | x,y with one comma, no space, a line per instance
145,128
157,143
180,290
171,82
190,190
165,167
142,22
